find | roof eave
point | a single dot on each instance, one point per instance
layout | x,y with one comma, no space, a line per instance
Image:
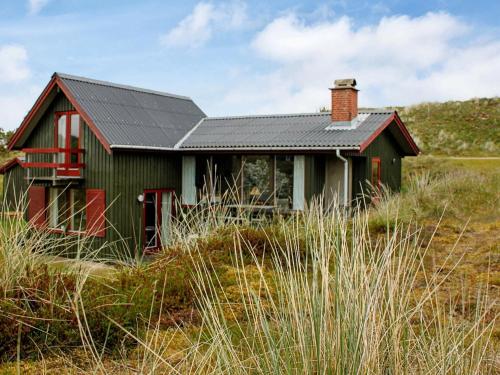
55,81
401,126
9,164
272,148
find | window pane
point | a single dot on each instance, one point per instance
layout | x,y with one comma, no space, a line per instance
62,212
166,217
52,208
75,134
258,180
61,137
58,208
217,177
78,211
284,181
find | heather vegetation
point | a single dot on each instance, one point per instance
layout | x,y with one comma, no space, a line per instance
455,128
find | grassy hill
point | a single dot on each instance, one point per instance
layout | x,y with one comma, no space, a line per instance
455,128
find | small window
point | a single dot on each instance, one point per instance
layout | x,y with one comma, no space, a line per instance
67,209
376,183
69,141
58,207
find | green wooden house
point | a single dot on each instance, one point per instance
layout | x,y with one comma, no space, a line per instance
109,161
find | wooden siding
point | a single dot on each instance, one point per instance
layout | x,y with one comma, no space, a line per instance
134,172
122,175
314,176
385,147
14,189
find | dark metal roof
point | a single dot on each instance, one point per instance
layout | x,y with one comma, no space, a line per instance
308,130
131,117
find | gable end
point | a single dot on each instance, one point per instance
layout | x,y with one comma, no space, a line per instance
41,105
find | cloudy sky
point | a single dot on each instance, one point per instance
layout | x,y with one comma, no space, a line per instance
248,57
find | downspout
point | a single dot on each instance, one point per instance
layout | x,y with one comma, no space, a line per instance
346,177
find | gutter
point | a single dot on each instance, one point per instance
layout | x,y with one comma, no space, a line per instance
346,177
177,147
272,148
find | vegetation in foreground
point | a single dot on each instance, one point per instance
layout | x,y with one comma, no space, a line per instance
406,287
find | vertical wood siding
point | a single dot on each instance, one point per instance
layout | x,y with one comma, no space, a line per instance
133,173
314,176
122,175
14,189
384,147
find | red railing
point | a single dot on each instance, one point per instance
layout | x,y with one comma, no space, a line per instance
61,169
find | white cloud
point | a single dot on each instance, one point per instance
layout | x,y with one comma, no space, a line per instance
399,60
35,6
14,105
198,27
13,63
16,95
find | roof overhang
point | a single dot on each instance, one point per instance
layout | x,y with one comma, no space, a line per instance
400,132
269,148
49,93
9,164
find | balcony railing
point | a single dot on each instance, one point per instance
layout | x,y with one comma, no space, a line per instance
45,159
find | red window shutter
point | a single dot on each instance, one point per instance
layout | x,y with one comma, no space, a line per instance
96,207
36,205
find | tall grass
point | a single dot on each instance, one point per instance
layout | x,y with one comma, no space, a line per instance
329,296
346,309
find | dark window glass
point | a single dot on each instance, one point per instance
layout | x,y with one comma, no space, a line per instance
78,210
284,181
258,176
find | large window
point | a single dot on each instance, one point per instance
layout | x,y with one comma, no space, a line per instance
258,176
67,209
284,181
264,180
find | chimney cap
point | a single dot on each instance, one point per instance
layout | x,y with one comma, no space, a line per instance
345,83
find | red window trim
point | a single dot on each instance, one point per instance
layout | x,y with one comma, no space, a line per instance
64,171
158,207
377,161
54,82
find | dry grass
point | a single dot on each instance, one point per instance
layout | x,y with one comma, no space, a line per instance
390,290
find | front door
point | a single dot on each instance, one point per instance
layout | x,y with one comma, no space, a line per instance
158,206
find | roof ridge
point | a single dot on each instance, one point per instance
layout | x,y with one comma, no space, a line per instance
267,115
304,114
120,86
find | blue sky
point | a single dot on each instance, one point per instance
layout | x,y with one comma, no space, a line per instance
247,57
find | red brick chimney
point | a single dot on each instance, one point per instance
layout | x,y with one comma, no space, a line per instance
344,100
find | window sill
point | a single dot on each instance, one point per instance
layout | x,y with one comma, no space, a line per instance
67,232
55,230
77,233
